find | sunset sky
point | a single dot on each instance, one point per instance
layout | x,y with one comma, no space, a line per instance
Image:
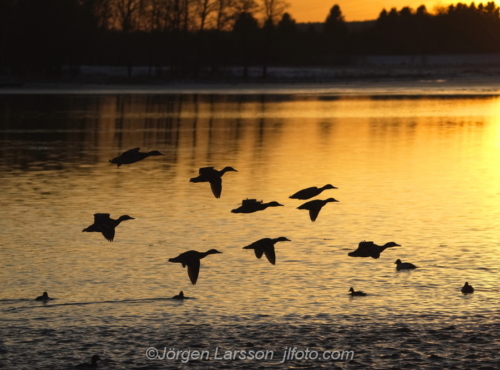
358,10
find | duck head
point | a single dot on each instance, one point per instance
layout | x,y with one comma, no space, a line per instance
95,358
329,186
228,168
392,244
351,290
282,239
212,251
274,204
125,217
45,295
331,200
155,153
398,261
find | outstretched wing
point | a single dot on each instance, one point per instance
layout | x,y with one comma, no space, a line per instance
101,217
216,185
205,170
258,252
193,266
270,254
108,231
364,244
313,213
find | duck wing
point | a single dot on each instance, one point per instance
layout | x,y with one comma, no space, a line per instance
313,213
205,170
107,231
193,265
374,253
130,152
270,254
101,217
216,185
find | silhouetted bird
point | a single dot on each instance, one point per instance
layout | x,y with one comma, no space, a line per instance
266,246
106,225
370,249
252,205
214,177
354,293
310,192
404,265
92,365
179,296
191,259
132,156
314,206
43,297
467,289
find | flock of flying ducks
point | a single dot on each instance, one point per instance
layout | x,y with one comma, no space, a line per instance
104,224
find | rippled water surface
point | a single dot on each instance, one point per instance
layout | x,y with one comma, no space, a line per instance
419,170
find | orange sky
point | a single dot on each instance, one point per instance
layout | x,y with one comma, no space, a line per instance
356,10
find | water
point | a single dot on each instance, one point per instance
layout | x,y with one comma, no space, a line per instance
420,170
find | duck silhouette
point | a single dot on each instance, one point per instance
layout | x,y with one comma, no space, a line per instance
179,296
106,225
214,177
266,246
467,289
310,192
370,249
132,156
191,259
404,265
44,297
92,365
252,205
354,293
314,206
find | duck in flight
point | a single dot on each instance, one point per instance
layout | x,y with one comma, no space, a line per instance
310,192
106,225
370,249
191,259
214,177
252,205
314,206
92,365
404,265
354,293
467,289
266,246
132,156
44,297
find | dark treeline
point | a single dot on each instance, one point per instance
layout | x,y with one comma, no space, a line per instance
196,38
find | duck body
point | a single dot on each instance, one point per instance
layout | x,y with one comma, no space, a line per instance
132,156
179,296
404,265
44,297
310,192
106,225
354,293
370,249
467,289
92,365
314,206
252,205
266,246
214,177
191,259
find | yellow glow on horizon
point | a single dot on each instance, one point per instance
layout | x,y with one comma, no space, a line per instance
359,10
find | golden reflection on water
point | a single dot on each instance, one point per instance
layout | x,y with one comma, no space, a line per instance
422,172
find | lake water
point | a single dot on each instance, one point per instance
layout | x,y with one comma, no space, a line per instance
421,170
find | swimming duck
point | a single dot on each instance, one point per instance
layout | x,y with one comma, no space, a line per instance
467,289
43,297
132,156
370,249
252,205
310,192
404,265
92,365
266,246
214,177
192,260
314,206
179,296
356,293
106,225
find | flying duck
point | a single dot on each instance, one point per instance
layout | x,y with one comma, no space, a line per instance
92,365
106,225
214,177
467,289
314,206
132,156
191,259
252,205
310,192
370,249
44,297
266,246
404,265
358,293
179,296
